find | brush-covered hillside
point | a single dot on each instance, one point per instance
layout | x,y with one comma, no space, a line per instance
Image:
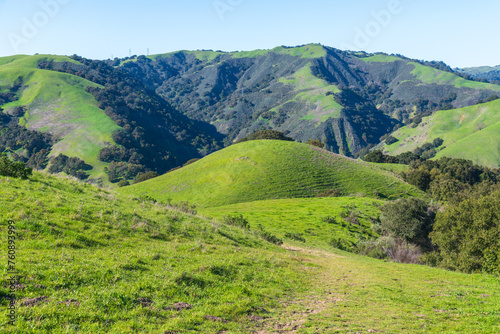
271,169
469,133
93,116
348,100
110,121
93,261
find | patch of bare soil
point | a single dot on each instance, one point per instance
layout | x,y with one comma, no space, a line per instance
179,307
34,301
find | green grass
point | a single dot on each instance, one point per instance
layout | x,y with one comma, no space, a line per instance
57,103
305,216
469,133
313,90
352,294
380,58
105,251
307,51
431,75
268,169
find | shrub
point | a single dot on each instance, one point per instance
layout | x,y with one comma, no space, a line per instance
123,183
391,140
437,142
342,244
395,249
236,220
13,169
316,142
467,235
192,161
408,219
295,236
183,206
141,177
271,238
331,193
330,220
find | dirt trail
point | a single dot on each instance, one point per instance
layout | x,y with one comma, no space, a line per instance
297,311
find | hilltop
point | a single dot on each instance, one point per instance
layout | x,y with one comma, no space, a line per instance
269,169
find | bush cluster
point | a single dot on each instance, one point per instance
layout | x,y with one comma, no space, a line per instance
13,169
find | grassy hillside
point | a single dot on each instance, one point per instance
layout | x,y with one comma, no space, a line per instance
268,169
469,133
429,75
57,103
306,217
68,237
91,261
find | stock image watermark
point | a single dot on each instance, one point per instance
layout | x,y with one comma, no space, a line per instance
381,20
32,25
11,271
223,7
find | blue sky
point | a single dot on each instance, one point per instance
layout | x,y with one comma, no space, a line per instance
461,33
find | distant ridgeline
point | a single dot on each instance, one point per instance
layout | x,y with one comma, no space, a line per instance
140,115
346,100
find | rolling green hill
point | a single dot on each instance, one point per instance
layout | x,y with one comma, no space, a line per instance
469,133
268,169
94,261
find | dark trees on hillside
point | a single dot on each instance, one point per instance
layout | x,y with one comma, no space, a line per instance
35,146
72,166
266,134
153,135
468,235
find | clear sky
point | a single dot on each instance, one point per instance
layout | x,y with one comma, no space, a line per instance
459,32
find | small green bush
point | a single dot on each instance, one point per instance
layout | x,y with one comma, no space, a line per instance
342,244
237,220
13,169
271,238
295,236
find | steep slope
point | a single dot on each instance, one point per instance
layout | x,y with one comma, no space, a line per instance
57,103
268,169
100,115
469,133
311,92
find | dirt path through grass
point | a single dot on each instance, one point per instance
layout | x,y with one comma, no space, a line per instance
352,294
